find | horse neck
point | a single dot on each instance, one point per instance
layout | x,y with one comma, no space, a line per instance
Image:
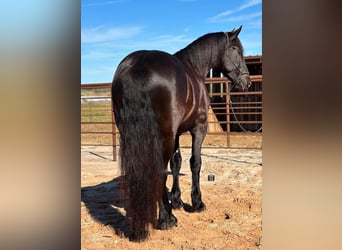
201,70
200,57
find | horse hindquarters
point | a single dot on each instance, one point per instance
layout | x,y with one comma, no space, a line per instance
161,98
141,154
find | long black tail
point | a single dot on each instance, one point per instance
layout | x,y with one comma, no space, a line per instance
141,153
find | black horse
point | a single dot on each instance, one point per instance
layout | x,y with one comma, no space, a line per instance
156,98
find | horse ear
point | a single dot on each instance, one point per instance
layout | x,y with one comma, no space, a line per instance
234,33
237,32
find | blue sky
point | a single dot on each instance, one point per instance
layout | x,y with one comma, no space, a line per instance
111,29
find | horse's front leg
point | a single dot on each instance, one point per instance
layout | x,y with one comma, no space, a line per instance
198,134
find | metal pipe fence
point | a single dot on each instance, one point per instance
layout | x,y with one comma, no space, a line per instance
230,111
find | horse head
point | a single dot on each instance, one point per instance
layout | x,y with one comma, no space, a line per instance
233,62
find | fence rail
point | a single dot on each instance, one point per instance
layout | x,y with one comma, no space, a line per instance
229,111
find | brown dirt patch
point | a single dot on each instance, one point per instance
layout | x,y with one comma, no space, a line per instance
232,219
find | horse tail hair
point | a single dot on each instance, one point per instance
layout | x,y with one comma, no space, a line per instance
141,155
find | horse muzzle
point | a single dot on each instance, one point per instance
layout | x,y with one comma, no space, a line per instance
244,82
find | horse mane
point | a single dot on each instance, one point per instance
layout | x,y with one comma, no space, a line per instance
206,51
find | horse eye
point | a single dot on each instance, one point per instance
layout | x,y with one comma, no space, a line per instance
236,49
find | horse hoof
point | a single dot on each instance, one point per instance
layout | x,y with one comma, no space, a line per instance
201,207
173,221
177,204
169,222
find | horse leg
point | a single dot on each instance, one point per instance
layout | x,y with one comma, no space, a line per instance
175,164
166,218
198,133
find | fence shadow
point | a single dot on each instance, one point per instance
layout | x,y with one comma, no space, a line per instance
103,202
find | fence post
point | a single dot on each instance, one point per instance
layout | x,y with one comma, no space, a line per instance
113,127
227,113
90,111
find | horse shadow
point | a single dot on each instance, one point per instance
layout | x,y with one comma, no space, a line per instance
105,203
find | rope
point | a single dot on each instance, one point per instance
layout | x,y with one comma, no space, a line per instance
235,117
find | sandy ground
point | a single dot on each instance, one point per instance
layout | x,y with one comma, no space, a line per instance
232,219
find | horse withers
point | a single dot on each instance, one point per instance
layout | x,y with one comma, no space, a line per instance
157,97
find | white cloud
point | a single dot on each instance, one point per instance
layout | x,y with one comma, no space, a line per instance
100,3
164,42
170,39
250,3
99,60
95,54
225,15
221,15
99,34
241,18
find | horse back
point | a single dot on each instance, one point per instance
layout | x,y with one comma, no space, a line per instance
161,76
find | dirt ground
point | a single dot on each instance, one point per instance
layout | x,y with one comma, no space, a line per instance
232,219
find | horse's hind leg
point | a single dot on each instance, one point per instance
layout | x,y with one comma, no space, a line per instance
175,164
166,218
198,133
